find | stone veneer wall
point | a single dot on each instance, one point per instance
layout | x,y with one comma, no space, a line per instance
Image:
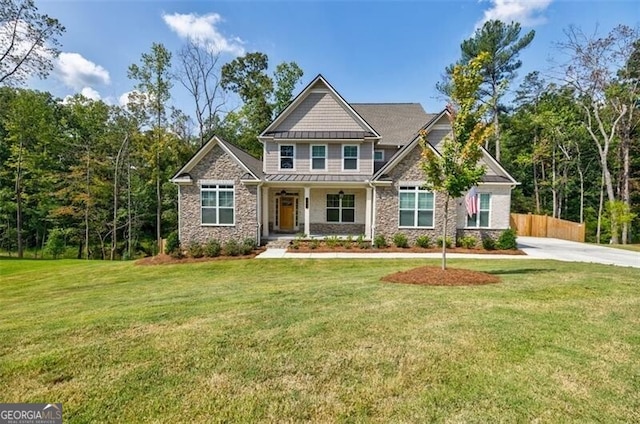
336,229
217,165
387,204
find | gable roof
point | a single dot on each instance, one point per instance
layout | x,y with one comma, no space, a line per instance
314,94
397,123
251,165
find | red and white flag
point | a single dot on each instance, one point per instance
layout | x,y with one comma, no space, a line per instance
471,201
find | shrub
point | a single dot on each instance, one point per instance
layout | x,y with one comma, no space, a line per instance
195,250
314,243
400,240
56,242
379,242
468,242
212,248
232,248
361,243
488,243
348,242
332,241
172,246
423,241
248,246
507,240
447,242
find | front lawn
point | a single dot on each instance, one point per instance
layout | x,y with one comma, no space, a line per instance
320,340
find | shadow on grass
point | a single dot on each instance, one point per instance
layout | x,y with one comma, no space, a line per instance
521,271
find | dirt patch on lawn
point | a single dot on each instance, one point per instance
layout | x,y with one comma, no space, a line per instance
436,276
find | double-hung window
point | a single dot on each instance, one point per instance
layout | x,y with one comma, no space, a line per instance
350,158
341,208
287,155
416,207
319,157
481,218
217,204
378,155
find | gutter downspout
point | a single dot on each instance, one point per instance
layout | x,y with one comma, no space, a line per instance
259,201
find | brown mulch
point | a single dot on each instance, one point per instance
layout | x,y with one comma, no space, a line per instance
436,276
168,260
324,249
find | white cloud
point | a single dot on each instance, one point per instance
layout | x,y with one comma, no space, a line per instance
123,100
90,93
202,30
78,73
527,12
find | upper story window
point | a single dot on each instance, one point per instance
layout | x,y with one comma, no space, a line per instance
217,204
378,155
480,219
287,155
416,207
350,157
319,157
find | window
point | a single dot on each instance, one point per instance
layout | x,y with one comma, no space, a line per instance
350,158
341,208
217,204
287,153
416,207
319,157
378,155
481,219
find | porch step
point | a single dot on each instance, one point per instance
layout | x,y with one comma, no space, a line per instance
278,244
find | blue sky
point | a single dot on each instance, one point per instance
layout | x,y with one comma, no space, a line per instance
381,51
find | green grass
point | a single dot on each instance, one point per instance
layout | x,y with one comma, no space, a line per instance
630,247
321,341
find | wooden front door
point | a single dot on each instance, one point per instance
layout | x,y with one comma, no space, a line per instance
287,210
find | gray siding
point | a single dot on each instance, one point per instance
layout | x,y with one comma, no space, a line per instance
319,112
302,163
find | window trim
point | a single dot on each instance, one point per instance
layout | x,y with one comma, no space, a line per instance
374,155
340,208
293,157
216,188
416,190
357,158
311,157
477,223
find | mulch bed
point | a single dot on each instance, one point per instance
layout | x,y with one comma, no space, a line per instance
436,276
304,248
168,260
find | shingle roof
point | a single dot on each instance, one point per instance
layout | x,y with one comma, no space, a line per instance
397,123
254,165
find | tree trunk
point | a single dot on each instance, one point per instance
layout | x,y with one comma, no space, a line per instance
625,195
86,211
19,203
444,233
158,202
600,207
581,175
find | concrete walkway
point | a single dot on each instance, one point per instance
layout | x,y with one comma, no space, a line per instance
535,248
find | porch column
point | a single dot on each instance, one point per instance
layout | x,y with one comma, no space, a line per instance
307,209
265,211
368,216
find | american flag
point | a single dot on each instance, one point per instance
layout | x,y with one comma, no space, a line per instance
471,201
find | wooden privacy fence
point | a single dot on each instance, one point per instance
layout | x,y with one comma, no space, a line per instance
546,226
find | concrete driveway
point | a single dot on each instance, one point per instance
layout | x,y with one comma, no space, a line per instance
570,251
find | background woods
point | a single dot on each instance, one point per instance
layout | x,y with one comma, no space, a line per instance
94,177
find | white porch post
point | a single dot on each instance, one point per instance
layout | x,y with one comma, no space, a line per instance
368,216
307,209
265,211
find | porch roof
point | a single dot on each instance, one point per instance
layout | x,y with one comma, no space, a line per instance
316,178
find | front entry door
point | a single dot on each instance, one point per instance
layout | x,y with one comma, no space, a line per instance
286,213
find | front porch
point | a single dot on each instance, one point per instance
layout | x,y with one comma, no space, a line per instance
317,212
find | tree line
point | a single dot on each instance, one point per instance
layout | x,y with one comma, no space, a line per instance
96,176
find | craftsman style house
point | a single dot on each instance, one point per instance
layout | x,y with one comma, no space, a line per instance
332,168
